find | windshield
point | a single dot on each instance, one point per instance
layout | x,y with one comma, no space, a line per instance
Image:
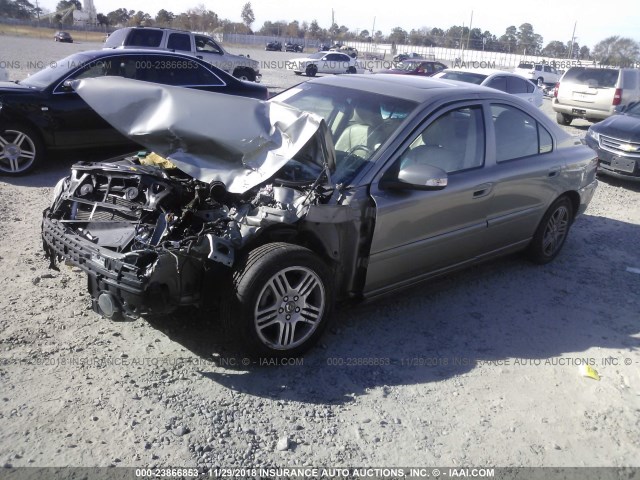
527,66
359,122
468,77
317,55
55,71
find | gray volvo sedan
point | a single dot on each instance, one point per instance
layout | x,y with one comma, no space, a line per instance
341,188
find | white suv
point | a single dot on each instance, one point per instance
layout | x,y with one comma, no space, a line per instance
182,41
538,73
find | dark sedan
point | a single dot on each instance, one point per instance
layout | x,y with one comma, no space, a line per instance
616,140
43,112
293,47
273,47
417,67
63,37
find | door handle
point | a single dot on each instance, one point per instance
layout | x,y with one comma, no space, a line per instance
482,190
552,173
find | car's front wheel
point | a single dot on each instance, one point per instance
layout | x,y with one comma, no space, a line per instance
281,300
552,232
563,118
311,71
21,150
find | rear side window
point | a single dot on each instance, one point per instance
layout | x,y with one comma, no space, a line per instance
144,38
116,39
179,41
499,83
593,77
517,134
516,85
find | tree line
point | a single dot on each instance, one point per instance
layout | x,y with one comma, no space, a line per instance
518,40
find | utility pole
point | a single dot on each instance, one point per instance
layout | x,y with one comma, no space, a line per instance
470,25
573,37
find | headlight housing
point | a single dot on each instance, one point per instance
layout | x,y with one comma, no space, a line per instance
593,134
60,187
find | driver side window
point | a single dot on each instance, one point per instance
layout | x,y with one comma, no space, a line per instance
455,141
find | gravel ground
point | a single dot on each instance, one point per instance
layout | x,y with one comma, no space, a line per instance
481,368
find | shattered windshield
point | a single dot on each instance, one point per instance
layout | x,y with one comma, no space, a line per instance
360,122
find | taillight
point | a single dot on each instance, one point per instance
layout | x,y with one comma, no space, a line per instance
617,97
555,90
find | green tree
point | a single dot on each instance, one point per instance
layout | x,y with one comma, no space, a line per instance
616,50
527,40
21,9
314,29
509,41
585,53
140,19
247,15
66,4
555,49
102,19
398,36
164,18
120,16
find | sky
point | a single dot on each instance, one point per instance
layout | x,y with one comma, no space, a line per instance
554,20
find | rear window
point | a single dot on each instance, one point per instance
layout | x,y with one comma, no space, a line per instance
593,77
116,39
468,77
144,38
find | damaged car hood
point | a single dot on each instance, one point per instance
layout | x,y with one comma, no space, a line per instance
239,141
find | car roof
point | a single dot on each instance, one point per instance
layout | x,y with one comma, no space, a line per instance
483,71
418,89
105,52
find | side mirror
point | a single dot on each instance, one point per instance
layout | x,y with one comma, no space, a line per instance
417,177
66,86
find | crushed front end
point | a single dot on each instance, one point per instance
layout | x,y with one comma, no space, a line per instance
148,235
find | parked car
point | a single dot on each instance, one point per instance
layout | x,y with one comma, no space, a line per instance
537,73
273,47
594,93
195,44
293,47
43,112
384,181
351,51
498,79
616,140
63,37
324,47
401,57
425,68
324,62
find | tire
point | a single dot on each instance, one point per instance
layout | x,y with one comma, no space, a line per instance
298,73
551,232
563,118
245,74
311,71
280,302
21,150
351,70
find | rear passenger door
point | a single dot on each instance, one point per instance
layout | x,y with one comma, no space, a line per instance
526,174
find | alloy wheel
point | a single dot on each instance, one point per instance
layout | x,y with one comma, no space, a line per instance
17,151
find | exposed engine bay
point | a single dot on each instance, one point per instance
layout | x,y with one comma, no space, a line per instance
161,225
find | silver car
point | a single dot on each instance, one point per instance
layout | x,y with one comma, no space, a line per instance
341,188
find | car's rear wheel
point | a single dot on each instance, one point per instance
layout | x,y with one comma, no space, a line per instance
281,300
245,74
311,71
552,232
563,118
21,150
351,70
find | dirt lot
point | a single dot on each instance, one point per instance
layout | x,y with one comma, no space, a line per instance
481,368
